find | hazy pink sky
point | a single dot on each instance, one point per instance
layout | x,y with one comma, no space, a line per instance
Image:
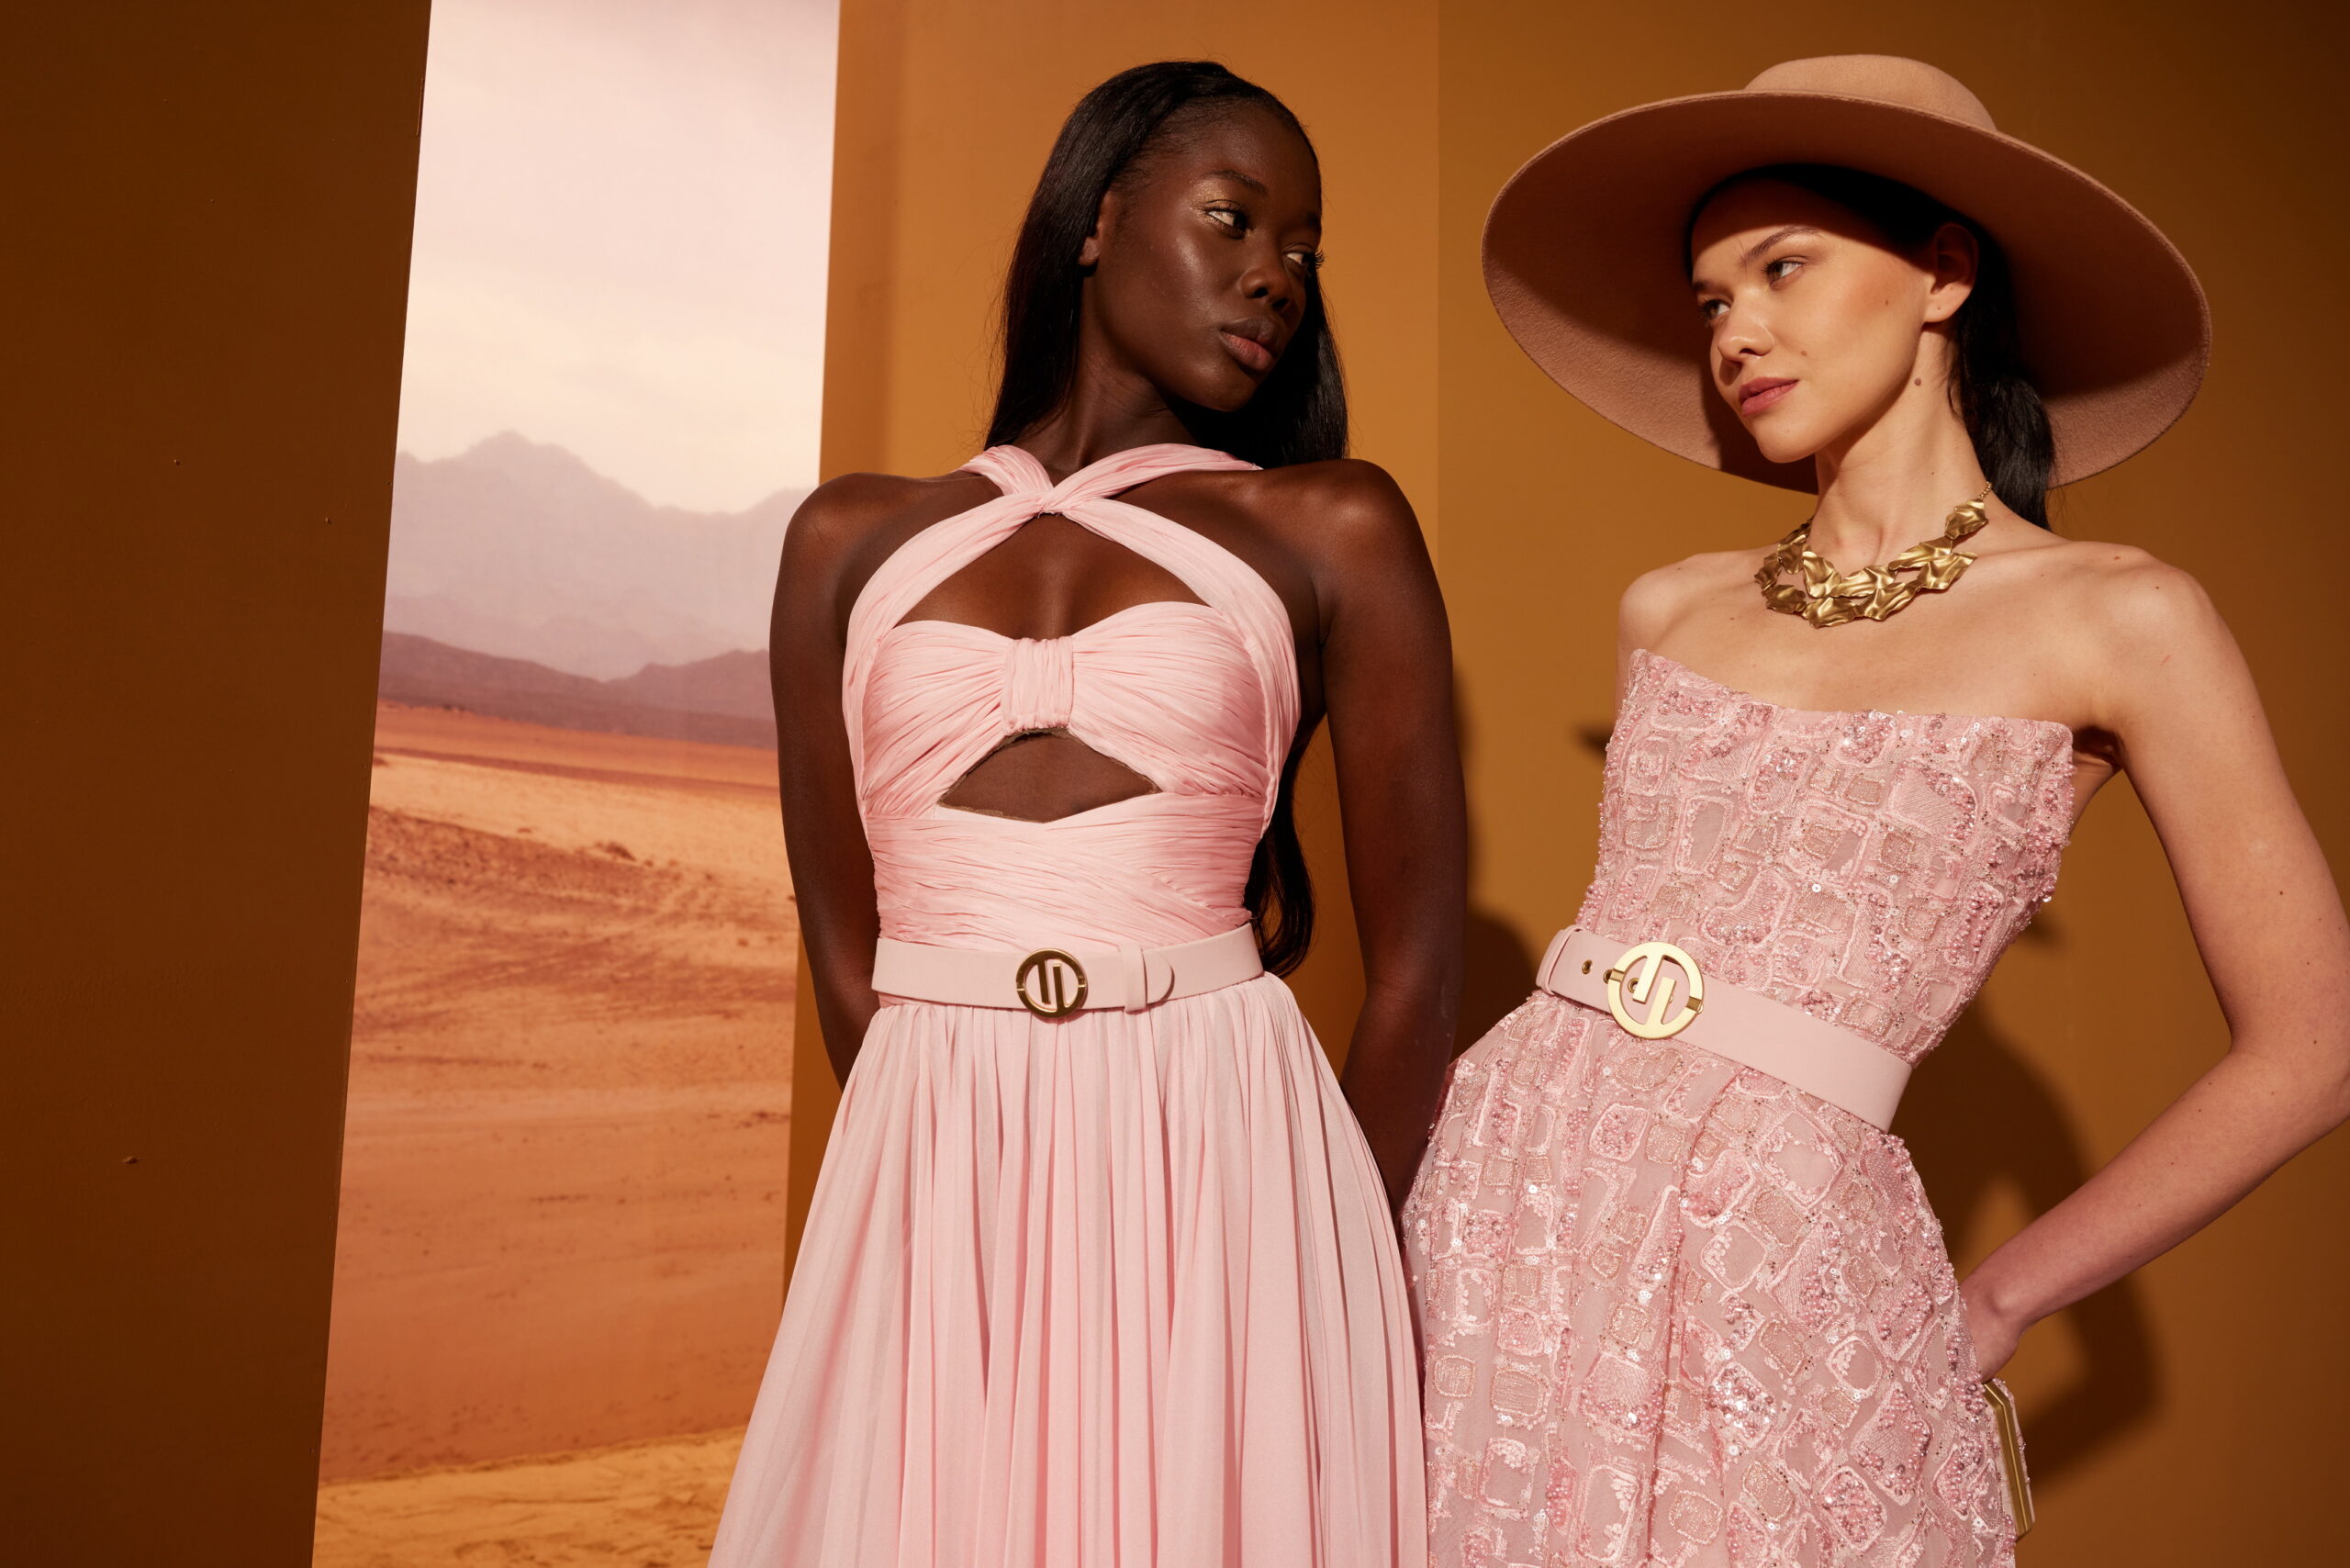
620,226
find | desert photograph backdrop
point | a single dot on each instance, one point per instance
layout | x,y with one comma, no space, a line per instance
561,1251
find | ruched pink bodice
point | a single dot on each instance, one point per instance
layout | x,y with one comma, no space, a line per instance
1200,699
1112,1289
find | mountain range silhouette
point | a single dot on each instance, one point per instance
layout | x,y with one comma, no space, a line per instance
524,584
520,549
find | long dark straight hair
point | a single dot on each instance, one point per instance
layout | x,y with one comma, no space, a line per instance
1299,412
1989,385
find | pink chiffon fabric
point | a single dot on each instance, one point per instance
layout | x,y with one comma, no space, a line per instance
1118,1290
1678,1314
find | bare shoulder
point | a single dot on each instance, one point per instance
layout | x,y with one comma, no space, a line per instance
1658,598
1344,505
840,512
849,525
2140,630
2124,593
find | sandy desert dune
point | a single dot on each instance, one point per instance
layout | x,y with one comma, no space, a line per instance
562,1222
649,1505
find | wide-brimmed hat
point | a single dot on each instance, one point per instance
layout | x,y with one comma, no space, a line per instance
1584,255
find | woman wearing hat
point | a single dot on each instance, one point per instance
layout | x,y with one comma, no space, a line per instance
1681,1298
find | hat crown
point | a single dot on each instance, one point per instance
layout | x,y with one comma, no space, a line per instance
1886,78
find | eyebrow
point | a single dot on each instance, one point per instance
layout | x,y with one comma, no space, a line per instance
1747,257
1313,219
1768,240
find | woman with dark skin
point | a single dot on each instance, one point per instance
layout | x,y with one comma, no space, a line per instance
1198,287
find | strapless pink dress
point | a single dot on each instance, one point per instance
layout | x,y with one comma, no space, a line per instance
1678,1314
1118,1290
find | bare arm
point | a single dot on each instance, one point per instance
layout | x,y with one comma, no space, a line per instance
1387,684
832,867
2269,923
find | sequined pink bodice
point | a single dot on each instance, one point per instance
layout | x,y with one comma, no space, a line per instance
1200,699
1867,867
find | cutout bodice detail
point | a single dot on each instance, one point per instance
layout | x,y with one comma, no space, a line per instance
1201,698
1868,867
1118,1288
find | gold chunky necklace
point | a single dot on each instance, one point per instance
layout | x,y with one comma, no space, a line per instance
1829,598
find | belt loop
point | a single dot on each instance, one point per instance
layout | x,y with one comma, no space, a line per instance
1130,976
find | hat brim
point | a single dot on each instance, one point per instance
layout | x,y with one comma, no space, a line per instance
1583,260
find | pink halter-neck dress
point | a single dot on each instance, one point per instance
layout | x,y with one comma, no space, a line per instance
1118,1290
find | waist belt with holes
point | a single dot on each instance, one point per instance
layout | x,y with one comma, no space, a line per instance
1051,981
1656,993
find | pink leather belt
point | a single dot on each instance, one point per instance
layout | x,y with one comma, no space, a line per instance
1051,981
1656,993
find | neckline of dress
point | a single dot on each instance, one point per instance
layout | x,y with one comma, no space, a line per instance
2057,727
1247,571
1129,454
1282,646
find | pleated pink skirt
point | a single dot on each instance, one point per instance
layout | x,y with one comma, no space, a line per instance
1116,1291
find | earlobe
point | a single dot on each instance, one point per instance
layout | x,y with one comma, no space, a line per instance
1956,256
1088,254
1943,302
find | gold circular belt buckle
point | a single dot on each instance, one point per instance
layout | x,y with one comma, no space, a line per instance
1050,983
1643,968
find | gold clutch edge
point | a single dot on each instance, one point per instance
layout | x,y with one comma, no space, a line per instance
2003,1413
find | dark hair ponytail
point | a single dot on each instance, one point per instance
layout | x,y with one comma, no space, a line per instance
1298,414
1996,395
1989,385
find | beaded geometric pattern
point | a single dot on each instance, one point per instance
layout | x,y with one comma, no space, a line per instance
1676,1313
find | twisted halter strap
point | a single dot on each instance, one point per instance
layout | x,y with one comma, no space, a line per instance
1087,497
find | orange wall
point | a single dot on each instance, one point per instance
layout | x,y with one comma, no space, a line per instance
205,268
2187,1415
947,108
2222,130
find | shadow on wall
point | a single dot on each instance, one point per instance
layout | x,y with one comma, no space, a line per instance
1497,967
1978,1117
